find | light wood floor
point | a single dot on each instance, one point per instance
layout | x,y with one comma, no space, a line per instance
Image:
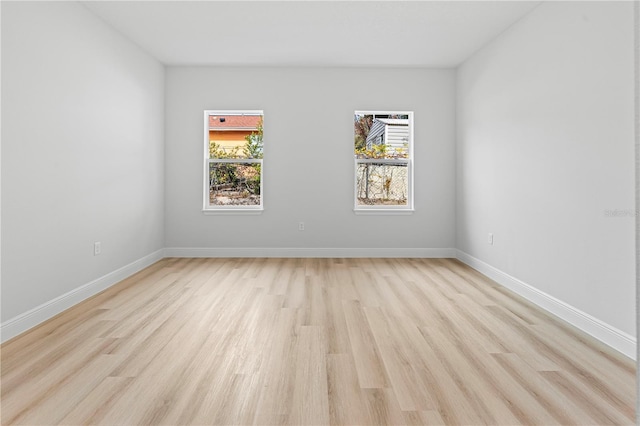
311,341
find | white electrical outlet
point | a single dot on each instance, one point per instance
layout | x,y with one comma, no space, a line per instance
97,248
491,238
300,226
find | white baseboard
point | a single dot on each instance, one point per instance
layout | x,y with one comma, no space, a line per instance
607,334
310,252
39,314
611,336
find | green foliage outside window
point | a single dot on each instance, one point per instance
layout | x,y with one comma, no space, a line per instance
243,178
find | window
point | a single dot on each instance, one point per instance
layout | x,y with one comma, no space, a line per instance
383,151
233,152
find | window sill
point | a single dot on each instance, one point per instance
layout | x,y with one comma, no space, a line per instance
232,212
383,212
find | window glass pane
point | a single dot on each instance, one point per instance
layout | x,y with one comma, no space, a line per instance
379,184
235,135
233,155
381,135
383,165
234,184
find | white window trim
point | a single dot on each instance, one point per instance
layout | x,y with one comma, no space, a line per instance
387,210
212,209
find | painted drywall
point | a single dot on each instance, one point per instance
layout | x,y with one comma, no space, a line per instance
0,163
82,138
545,156
308,166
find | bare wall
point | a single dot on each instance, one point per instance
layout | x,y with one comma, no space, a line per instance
545,156
83,156
308,167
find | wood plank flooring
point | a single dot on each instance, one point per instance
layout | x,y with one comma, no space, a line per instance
311,342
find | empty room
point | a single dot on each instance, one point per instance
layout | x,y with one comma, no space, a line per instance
319,212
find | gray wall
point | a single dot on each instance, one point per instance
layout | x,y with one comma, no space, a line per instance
308,166
545,149
82,138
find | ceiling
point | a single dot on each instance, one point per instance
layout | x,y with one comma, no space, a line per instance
311,33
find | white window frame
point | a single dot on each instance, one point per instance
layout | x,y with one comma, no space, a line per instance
209,208
391,209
